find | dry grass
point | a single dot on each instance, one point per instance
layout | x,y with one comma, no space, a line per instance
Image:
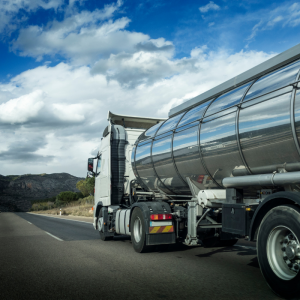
72,209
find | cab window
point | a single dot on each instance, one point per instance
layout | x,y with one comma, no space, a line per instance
98,166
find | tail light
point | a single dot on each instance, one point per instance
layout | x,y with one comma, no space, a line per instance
158,217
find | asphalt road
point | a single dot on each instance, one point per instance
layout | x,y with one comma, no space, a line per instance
51,258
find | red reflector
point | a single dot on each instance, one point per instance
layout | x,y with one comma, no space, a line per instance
157,217
200,178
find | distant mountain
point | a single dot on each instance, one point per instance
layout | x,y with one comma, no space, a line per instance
16,191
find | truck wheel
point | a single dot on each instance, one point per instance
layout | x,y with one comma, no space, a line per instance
138,236
103,237
278,250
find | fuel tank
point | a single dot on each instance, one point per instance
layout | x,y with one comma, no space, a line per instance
251,129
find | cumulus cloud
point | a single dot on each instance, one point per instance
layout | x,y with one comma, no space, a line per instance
55,115
75,103
9,9
96,33
21,109
24,150
131,70
209,6
72,112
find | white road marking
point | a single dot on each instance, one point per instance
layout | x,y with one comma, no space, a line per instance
29,222
54,236
61,218
246,247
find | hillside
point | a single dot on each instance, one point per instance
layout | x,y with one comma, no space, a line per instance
16,191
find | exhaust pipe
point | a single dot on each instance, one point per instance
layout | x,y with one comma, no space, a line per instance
275,179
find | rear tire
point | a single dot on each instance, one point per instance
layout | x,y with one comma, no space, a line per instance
103,236
138,231
277,248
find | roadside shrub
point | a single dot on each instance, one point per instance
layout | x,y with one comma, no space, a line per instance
51,199
80,195
59,203
67,196
87,200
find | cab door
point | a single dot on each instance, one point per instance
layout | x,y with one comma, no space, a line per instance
104,175
102,179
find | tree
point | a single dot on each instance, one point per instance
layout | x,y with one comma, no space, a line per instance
90,184
81,186
86,186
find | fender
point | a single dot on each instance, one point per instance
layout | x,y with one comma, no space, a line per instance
150,207
267,204
96,213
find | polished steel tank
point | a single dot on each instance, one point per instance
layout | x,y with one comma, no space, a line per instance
251,129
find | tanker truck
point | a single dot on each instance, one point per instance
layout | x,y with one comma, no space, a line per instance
224,165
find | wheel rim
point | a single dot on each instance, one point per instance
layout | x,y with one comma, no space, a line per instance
283,251
100,223
137,229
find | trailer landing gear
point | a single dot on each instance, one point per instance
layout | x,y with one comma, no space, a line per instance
278,250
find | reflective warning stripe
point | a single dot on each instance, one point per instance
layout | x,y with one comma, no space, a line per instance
161,229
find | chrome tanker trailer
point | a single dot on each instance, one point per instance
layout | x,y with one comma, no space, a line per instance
225,165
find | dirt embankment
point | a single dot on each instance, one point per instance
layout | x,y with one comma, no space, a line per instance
83,210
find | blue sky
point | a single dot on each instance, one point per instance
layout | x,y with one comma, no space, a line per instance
64,64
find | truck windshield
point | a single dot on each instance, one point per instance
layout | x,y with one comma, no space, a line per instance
98,166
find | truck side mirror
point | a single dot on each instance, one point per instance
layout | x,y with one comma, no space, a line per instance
91,165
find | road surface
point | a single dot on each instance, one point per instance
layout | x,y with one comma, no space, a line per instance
46,257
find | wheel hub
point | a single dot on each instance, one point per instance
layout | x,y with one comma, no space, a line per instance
283,250
291,252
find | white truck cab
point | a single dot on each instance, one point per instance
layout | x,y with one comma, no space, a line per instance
112,165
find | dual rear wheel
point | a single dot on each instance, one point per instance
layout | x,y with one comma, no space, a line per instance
138,234
278,250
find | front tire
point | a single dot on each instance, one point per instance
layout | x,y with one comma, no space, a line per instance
138,231
278,250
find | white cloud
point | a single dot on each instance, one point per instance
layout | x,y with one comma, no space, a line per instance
293,15
68,122
131,70
274,21
72,112
209,6
254,31
22,109
9,9
96,33
55,115
284,15
211,24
